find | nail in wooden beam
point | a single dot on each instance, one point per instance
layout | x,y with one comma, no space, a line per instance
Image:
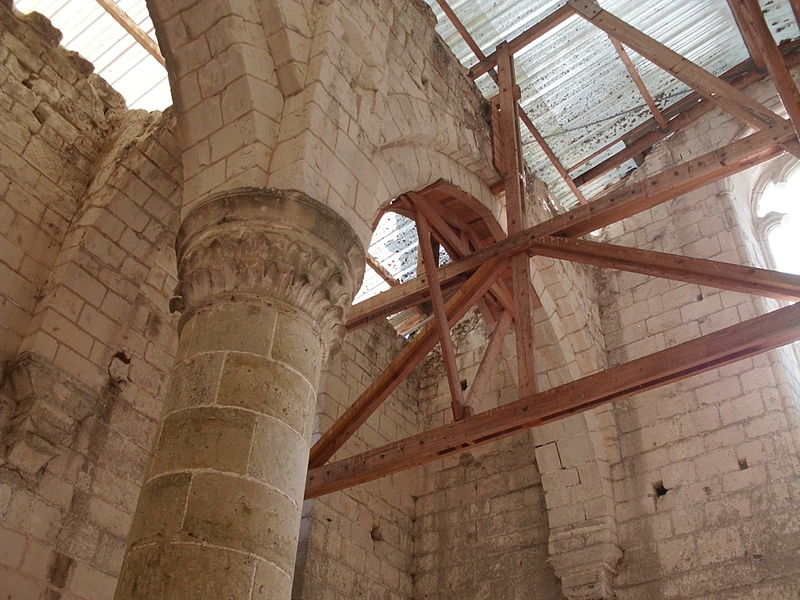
121,17
402,365
515,213
699,355
637,79
446,342
749,11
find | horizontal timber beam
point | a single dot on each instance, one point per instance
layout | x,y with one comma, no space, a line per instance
402,365
609,208
681,114
702,354
528,36
711,273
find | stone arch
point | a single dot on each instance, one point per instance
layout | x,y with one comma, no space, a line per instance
226,91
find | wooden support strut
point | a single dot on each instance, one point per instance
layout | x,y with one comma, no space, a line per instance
604,210
515,214
483,376
682,113
702,354
446,342
402,365
121,17
706,84
748,12
637,79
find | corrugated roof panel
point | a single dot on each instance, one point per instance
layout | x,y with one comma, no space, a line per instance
574,86
115,54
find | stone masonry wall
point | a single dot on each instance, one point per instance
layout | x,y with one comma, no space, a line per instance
93,194
56,118
357,543
706,470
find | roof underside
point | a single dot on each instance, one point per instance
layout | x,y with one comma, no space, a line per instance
117,57
574,86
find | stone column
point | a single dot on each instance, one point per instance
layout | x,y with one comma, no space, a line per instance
265,277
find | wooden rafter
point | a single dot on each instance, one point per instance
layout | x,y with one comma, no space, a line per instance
517,44
484,373
440,315
608,208
706,84
558,16
637,79
748,12
702,354
681,114
711,273
749,36
381,271
515,215
402,365
121,17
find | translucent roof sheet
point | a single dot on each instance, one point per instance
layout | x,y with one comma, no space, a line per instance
116,56
574,86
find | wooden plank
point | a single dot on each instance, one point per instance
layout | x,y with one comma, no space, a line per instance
381,270
608,208
403,364
706,84
483,376
682,113
458,247
702,354
796,10
711,273
637,79
523,39
748,36
554,160
749,12
121,17
516,218
460,28
448,351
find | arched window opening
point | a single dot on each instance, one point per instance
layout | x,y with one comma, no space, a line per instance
778,219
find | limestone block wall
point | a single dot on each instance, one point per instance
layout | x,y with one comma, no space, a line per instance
90,207
56,119
481,523
706,470
357,543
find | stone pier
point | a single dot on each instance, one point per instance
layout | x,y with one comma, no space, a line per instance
265,277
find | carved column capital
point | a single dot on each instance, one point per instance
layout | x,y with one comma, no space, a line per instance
271,246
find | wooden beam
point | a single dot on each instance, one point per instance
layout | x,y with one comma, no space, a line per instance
402,365
711,273
448,351
702,354
608,208
483,376
637,79
457,246
706,84
683,112
476,50
381,271
121,17
749,12
796,10
554,160
516,218
748,36
528,36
